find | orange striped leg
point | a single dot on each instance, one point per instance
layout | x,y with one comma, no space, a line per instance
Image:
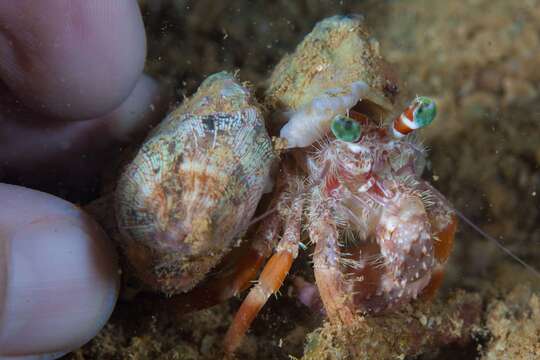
331,281
270,280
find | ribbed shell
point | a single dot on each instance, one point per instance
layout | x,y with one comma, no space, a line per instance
194,185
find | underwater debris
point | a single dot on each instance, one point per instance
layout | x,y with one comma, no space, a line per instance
416,329
513,323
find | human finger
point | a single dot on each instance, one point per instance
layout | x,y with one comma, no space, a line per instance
71,59
58,275
50,155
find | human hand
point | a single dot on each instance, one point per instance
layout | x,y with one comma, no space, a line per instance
62,61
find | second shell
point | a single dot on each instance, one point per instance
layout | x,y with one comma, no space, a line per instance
193,187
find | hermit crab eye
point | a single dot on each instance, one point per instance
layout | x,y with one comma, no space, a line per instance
425,112
346,129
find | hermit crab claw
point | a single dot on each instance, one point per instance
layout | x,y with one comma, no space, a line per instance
335,69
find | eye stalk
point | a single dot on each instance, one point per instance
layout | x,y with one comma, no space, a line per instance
419,114
346,129
424,112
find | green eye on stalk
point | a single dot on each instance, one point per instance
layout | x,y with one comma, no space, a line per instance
425,112
346,129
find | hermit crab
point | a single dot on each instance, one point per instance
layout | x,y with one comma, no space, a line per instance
347,176
381,233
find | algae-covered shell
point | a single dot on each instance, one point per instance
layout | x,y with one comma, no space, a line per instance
194,185
335,67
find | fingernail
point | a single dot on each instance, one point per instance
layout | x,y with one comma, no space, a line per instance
60,278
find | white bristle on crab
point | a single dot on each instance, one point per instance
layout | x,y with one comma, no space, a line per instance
311,122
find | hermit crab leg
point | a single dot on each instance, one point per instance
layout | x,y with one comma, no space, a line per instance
330,279
265,238
271,278
260,250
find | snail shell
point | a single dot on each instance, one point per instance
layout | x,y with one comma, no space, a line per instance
194,185
336,67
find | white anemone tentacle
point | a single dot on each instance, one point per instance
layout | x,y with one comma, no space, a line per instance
311,122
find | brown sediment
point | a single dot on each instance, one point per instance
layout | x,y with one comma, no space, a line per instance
415,330
513,323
